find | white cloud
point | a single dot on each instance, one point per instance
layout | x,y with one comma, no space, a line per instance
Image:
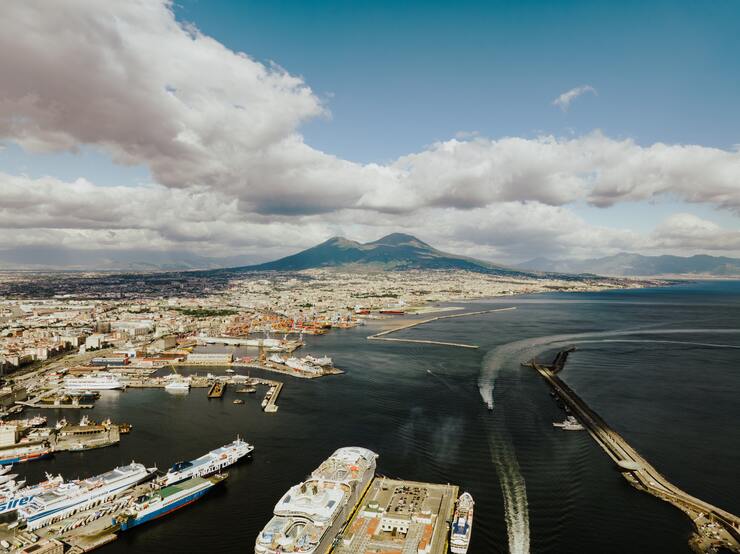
219,132
689,233
563,101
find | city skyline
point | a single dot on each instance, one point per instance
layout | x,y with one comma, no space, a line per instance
147,129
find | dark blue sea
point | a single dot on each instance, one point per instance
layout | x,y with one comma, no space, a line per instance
661,365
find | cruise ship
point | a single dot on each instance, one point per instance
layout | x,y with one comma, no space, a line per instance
462,524
74,496
161,502
310,515
210,463
100,380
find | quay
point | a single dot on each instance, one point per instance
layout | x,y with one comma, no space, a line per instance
400,516
267,366
286,370
383,334
714,527
275,345
54,399
81,531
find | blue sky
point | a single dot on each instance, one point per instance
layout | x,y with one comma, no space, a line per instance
398,76
433,118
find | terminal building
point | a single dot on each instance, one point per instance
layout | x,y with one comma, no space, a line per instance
111,361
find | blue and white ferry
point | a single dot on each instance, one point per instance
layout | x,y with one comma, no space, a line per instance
210,463
165,500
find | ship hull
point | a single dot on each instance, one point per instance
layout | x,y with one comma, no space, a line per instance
212,466
20,458
164,510
78,503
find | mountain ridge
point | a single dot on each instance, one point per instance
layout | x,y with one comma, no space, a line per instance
630,264
396,251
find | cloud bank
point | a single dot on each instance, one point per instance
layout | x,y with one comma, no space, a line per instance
220,134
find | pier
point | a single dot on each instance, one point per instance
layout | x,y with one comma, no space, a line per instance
714,527
269,403
383,335
55,398
412,517
286,370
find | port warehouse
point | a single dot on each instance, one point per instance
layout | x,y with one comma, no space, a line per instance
110,361
207,358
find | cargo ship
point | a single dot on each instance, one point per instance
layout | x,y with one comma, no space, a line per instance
100,380
74,496
309,516
462,524
210,463
161,502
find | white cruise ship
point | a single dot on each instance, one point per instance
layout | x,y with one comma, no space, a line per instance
310,515
210,463
100,380
302,365
462,524
178,384
71,497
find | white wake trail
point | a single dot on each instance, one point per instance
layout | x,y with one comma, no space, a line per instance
513,486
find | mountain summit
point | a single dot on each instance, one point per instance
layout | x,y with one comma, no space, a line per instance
396,251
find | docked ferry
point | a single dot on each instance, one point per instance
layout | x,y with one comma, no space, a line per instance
165,500
210,463
310,515
100,380
462,524
25,452
74,496
11,500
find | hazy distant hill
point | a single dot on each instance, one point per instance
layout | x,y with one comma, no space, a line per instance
395,251
626,264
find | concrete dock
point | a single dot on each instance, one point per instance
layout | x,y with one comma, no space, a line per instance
403,517
269,403
383,334
54,398
714,527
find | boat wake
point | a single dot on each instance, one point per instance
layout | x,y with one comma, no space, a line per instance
513,489
526,349
508,356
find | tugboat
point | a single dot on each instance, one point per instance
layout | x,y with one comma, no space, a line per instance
462,524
